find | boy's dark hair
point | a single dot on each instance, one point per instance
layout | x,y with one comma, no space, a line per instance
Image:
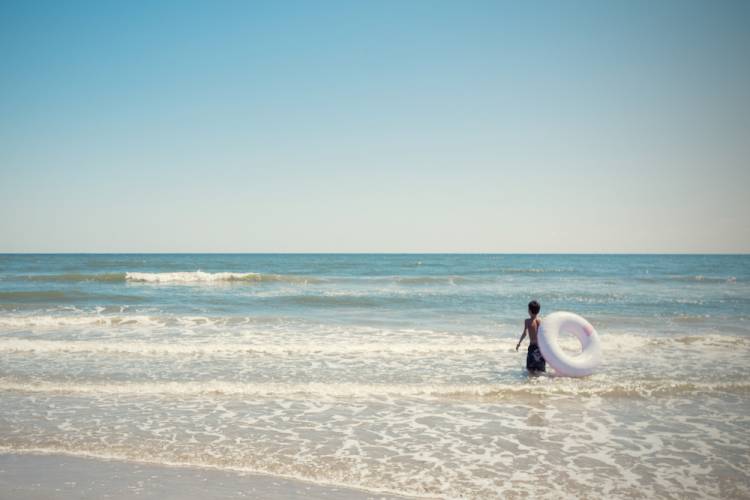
534,307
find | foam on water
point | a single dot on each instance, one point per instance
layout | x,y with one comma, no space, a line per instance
281,348
57,321
320,391
548,445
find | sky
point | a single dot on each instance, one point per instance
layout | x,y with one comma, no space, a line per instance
375,126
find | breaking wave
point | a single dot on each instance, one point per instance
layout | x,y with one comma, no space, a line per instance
204,277
169,277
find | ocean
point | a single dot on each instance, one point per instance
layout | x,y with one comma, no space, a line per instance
390,373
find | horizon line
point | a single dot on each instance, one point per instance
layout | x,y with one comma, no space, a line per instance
383,253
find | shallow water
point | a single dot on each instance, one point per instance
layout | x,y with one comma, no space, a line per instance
388,372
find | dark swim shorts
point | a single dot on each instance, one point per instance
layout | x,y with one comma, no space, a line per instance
534,360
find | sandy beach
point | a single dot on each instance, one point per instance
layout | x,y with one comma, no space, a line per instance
32,477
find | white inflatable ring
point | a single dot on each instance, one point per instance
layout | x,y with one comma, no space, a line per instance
579,365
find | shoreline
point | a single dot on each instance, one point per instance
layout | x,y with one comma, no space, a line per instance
36,476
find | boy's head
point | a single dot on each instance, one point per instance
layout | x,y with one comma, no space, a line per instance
534,307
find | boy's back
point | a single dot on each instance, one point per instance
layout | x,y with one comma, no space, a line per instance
534,359
532,325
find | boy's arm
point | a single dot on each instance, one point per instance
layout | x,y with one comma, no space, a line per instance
523,336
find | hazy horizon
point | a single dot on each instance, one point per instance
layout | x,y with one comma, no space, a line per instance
375,127
677,254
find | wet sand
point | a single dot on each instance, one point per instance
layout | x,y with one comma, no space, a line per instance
32,477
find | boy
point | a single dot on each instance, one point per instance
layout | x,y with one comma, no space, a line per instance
534,360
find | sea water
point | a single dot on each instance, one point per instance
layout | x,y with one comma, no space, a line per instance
392,373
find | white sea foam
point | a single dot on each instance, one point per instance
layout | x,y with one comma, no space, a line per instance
205,277
53,321
184,277
349,390
623,342
229,348
84,320
387,340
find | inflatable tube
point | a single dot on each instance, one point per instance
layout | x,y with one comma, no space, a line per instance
578,365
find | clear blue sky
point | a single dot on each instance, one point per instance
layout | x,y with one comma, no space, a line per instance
560,126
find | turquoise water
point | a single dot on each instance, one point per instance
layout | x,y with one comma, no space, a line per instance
387,372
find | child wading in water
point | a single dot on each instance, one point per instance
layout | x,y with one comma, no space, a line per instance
534,360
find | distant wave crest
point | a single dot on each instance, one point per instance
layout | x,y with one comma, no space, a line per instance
205,277
698,278
168,277
78,277
535,270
